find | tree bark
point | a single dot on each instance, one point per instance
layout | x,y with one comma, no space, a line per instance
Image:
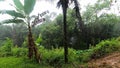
65,34
33,51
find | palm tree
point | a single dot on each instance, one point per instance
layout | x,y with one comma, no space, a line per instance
22,15
64,4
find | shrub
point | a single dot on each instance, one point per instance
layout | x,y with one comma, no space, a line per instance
103,48
118,39
52,57
5,49
55,57
18,52
84,55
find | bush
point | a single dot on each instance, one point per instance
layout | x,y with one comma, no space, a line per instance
55,57
84,55
18,52
51,57
5,49
103,48
118,39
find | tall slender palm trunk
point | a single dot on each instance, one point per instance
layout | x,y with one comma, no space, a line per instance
65,35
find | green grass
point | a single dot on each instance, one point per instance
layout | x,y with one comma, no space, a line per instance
13,62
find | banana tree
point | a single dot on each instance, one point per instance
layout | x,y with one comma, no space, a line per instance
21,14
65,5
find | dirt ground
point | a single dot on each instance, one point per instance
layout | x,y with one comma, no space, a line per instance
109,61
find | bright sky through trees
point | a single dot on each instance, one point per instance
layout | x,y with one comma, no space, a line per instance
39,7
50,6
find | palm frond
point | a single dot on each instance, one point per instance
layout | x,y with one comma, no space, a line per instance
63,3
59,4
76,8
12,21
12,13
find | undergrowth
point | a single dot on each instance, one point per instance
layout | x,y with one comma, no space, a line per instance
12,56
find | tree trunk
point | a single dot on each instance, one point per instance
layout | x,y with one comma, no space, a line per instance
33,51
65,35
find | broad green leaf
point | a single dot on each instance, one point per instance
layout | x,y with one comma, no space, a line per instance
12,13
12,21
18,4
29,6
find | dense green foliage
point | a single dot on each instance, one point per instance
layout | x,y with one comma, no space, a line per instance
8,49
103,48
96,28
99,37
104,27
54,57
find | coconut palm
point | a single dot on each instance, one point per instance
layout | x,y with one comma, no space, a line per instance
65,4
21,14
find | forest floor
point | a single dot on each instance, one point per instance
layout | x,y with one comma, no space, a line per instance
109,61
